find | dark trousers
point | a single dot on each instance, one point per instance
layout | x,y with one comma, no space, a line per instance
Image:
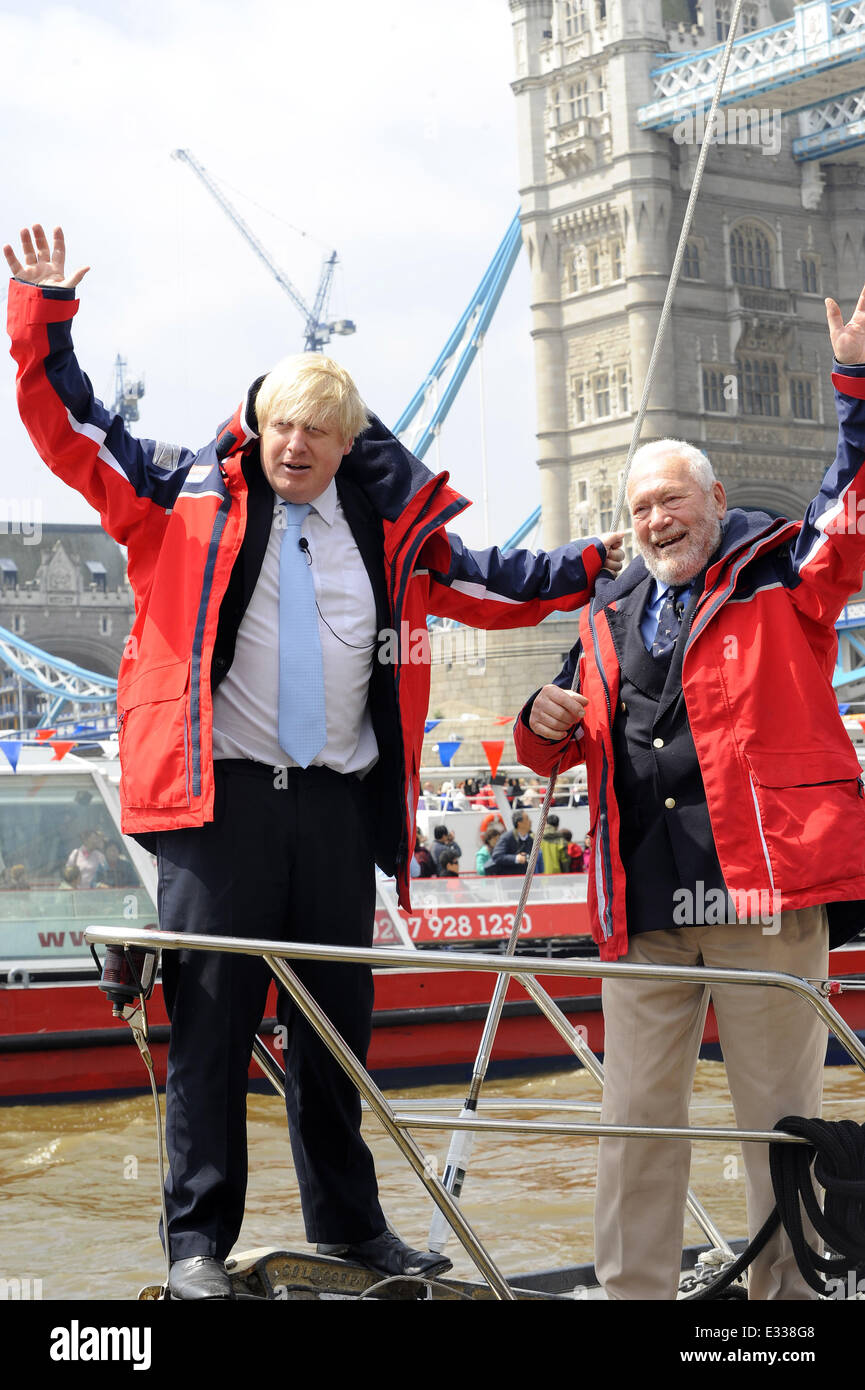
289,863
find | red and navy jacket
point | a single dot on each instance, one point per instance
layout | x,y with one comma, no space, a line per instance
182,516
781,777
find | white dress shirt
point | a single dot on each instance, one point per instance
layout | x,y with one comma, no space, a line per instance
245,705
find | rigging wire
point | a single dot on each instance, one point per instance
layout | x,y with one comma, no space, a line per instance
461,1140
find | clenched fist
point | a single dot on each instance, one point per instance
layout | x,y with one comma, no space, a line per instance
615,551
556,712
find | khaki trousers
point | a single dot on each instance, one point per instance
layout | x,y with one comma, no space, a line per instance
774,1048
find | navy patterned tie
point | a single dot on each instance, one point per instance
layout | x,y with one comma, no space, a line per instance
669,622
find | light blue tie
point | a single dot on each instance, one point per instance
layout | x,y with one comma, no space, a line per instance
302,723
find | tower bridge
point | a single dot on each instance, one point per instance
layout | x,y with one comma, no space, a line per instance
803,64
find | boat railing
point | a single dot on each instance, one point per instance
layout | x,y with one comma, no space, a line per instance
397,1122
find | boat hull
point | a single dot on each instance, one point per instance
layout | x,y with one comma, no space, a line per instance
59,1041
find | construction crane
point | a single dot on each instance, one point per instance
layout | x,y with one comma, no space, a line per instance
127,394
317,331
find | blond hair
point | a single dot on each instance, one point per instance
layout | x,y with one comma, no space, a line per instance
311,389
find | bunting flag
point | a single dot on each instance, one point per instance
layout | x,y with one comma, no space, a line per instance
61,748
842,709
42,734
12,752
446,751
504,719
493,747
861,720
429,725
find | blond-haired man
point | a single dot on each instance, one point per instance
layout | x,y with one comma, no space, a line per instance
276,682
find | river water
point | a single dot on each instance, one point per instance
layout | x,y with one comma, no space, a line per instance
80,1200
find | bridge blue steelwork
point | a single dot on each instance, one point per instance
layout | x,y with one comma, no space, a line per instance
62,681
801,63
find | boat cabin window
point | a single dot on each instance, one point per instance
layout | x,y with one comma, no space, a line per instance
63,865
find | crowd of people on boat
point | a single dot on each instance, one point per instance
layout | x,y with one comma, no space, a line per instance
97,861
501,851
475,794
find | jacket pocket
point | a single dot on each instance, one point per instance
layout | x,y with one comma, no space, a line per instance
154,738
811,816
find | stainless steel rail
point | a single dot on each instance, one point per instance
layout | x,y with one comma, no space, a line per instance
524,969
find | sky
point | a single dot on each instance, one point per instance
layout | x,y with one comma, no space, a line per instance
383,130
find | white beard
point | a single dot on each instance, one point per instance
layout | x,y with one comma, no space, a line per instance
690,555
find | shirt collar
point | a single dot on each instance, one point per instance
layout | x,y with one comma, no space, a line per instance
661,589
324,506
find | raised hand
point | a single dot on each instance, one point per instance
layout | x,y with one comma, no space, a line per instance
613,541
43,264
848,339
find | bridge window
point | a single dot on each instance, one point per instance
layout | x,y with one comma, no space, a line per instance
691,261
801,398
810,276
595,265
576,18
8,574
98,575
18,623
714,399
623,385
602,395
579,389
605,508
758,386
750,256
748,20
617,265
602,93
578,99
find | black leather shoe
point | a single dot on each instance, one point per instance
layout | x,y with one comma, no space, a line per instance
200,1276
387,1254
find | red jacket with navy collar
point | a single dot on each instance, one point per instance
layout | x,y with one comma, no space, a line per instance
782,781
182,514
